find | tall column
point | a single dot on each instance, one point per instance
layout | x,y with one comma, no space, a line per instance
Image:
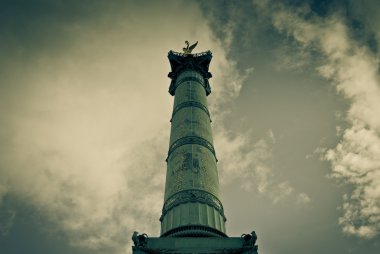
192,211
192,205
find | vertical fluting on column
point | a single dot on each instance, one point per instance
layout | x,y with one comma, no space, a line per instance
191,205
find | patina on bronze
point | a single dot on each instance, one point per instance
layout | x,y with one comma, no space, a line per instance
192,219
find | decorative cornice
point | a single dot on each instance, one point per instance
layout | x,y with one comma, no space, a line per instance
191,104
193,196
191,140
193,55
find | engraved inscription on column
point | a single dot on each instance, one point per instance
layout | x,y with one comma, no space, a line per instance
192,166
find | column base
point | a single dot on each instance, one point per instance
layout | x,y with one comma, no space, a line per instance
195,218
193,245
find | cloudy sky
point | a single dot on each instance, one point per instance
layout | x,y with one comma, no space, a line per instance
84,121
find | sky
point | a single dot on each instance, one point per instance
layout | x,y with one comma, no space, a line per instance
85,110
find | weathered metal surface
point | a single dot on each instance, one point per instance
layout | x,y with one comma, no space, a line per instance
191,167
193,196
190,104
195,140
192,184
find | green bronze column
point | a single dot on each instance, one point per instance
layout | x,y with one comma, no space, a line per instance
192,205
192,211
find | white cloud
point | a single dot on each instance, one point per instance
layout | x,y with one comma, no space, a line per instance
250,164
284,190
303,198
241,159
353,70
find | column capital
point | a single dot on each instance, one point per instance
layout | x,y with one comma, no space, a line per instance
180,62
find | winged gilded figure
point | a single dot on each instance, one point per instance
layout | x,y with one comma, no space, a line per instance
189,48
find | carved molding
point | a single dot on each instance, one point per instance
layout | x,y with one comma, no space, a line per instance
191,104
204,83
191,140
194,230
205,53
194,196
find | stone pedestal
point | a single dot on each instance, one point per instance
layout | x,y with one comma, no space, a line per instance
193,245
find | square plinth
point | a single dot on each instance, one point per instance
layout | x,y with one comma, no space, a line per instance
195,245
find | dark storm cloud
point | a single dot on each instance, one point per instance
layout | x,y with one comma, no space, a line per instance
246,21
33,30
29,27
